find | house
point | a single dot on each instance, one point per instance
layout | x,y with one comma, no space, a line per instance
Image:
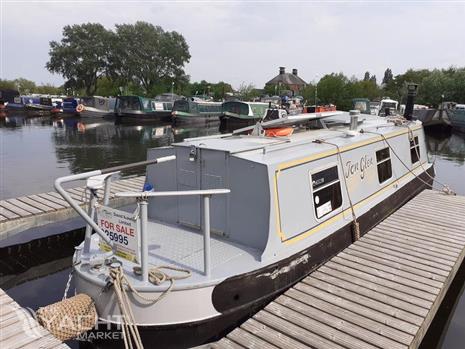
287,81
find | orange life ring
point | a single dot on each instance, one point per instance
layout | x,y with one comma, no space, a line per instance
279,132
80,108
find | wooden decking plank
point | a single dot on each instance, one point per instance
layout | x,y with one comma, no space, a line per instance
427,254
8,214
46,202
24,206
359,320
270,335
36,204
429,272
424,219
406,223
365,301
317,326
248,340
15,209
2,218
436,236
438,210
386,249
51,197
381,233
76,197
389,276
357,308
227,344
298,333
374,287
430,239
380,297
378,280
341,325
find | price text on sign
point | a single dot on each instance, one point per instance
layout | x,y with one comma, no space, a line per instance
120,228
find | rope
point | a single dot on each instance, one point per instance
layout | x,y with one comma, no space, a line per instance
355,224
445,188
120,282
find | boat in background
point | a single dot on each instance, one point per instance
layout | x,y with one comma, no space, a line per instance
132,108
69,106
243,113
194,109
36,105
362,104
10,99
388,106
96,107
433,117
456,116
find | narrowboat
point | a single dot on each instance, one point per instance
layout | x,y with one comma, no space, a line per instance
233,220
434,117
243,113
138,108
38,105
10,97
388,107
96,107
195,110
457,117
69,106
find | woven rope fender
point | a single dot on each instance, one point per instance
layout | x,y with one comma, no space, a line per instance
68,318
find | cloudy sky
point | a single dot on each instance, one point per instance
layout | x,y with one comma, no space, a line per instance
247,41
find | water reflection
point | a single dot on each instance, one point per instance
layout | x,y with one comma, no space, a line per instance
448,145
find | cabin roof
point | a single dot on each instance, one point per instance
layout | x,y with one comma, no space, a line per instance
267,150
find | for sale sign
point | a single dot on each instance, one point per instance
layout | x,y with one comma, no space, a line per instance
122,229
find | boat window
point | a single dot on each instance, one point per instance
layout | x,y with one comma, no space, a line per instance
259,110
236,108
383,160
326,191
414,149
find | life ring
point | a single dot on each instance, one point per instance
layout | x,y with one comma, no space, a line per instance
279,132
80,108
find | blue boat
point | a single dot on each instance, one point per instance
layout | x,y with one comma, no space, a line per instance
38,105
69,105
11,99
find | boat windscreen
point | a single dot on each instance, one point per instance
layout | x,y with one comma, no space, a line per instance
259,110
239,108
88,101
129,102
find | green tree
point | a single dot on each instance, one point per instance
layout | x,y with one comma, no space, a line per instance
48,89
247,91
81,56
25,86
333,88
148,55
388,76
7,84
367,76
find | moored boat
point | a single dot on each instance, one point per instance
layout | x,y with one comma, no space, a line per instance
434,117
96,107
239,218
38,105
243,113
456,116
195,110
138,108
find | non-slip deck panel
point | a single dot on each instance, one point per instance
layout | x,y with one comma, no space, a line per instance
381,292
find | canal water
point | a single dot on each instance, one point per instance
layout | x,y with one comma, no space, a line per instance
35,151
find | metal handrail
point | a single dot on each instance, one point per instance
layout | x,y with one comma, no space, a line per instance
71,178
206,194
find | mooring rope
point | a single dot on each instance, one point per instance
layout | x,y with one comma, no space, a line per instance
355,223
445,188
120,283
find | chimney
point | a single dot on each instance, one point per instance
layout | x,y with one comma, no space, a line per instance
294,72
282,70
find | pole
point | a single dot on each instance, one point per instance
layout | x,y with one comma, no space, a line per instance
144,253
206,234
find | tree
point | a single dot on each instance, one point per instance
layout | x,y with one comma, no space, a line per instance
25,86
7,84
148,55
367,76
247,91
388,77
81,56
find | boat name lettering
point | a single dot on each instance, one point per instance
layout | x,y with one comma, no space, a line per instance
359,166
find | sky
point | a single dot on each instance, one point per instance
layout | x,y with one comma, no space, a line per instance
246,41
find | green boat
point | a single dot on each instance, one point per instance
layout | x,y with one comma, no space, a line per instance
243,113
195,109
142,109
